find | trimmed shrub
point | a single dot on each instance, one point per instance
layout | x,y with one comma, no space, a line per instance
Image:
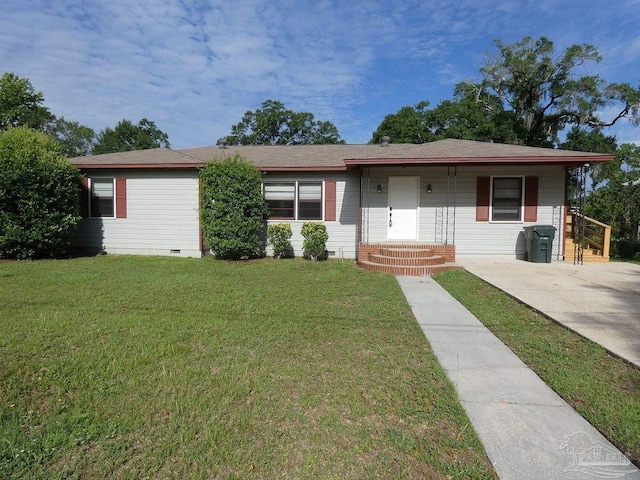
315,239
279,235
39,196
232,208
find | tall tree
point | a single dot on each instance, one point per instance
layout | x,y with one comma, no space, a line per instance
589,140
545,92
20,104
273,124
126,137
407,125
615,195
616,199
593,140
467,119
75,140
463,117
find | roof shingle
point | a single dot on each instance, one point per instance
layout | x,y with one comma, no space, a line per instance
340,157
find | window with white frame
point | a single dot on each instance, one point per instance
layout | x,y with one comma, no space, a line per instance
506,199
280,198
295,200
102,197
310,201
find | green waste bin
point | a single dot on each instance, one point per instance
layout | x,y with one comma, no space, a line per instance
539,242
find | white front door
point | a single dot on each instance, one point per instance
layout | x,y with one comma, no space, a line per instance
403,208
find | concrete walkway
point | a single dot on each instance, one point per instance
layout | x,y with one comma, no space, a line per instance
600,301
527,430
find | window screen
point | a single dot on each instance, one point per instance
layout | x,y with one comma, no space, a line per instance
280,198
506,199
310,201
102,199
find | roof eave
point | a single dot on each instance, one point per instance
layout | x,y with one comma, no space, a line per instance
302,169
146,166
542,160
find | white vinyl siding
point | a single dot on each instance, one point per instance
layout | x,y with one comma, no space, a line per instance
162,216
506,238
470,237
343,236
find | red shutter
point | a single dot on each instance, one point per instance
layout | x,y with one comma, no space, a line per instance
330,200
483,198
84,198
530,199
121,198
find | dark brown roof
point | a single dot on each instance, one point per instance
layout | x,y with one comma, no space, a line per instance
341,157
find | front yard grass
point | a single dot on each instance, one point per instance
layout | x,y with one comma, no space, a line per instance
134,367
603,389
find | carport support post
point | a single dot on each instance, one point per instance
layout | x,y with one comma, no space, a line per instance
581,189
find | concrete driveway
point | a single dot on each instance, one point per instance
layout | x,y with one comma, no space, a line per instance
601,301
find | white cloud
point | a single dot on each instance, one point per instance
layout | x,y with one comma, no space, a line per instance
196,67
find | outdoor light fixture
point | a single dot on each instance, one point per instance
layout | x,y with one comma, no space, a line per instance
379,189
429,188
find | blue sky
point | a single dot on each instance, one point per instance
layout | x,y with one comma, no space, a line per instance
195,66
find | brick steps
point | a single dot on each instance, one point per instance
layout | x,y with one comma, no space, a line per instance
407,259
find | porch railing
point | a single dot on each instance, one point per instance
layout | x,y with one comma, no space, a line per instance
597,235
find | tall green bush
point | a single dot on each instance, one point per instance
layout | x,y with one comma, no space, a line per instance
315,239
280,238
39,196
232,208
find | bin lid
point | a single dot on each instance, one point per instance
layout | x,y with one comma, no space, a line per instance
540,231
544,228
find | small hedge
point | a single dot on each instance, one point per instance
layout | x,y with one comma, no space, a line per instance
279,235
315,239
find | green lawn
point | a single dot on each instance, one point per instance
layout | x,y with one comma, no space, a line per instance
603,389
134,367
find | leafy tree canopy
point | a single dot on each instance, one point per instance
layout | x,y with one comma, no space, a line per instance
615,195
616,200
463,117
126,137
75,140
273,124
589,140
527,95
407,125
20,104
545,93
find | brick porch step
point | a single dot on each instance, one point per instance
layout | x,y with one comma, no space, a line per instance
406,252
383,258
407,270
407,259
